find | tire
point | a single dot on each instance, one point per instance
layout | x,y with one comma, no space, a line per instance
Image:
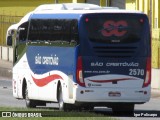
29,103
123,109
88,108
61,103
62,106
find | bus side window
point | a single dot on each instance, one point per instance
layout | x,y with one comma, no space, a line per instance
65,30
74,31
54,30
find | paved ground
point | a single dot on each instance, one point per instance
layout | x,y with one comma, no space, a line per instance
5,69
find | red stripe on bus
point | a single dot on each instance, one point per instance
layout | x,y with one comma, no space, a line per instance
44,81
112,80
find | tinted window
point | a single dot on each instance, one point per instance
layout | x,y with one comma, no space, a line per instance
115,28
22,32
53,30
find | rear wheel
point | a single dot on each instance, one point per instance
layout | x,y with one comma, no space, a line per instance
62,106
88,108
123,109
60,99
29,103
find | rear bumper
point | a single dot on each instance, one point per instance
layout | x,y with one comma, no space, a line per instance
125,95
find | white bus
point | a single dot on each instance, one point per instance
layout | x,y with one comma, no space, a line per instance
81,58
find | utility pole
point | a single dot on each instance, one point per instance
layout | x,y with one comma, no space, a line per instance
56,1
150,15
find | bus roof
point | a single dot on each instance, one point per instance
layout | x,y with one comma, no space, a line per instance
75,13
86,11
70,10
74,10
67,6
78,7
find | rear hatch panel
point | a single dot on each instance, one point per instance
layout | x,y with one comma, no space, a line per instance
113,72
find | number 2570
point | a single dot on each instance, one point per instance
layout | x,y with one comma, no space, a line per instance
136,72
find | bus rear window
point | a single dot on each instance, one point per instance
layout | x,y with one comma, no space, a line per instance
115,28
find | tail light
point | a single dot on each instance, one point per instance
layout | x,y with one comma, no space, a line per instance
79,74
147,80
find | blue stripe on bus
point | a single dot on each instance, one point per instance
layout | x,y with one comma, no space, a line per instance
43,59
55,16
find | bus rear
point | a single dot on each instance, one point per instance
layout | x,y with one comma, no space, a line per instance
114,60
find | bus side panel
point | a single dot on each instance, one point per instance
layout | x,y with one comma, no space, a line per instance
15,85
48,65
21,74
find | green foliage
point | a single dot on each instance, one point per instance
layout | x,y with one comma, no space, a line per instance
59,115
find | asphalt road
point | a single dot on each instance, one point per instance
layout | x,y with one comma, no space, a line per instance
6,99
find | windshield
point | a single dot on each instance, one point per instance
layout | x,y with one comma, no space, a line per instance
115,28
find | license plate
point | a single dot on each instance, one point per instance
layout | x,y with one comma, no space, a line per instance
114,94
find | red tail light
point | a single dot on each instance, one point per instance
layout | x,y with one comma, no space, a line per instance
79,74
147,80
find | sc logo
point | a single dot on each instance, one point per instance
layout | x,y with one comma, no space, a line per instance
114,28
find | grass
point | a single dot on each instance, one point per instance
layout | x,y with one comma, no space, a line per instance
55,114
60,118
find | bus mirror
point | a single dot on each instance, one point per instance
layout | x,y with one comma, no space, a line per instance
9,40
9,37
